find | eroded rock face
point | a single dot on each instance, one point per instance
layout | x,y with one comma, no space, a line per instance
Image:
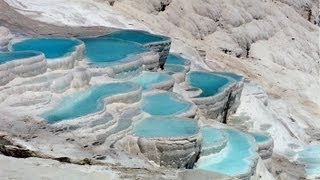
31,65
169,152
5,37
162,48
223,104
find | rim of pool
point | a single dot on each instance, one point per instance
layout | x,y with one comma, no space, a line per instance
153,80
155,38
18,55
231,75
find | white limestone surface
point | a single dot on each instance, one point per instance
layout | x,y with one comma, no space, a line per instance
74,12
38,169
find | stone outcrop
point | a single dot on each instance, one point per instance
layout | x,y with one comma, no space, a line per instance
222,104
169,152
5,37
161,47
178,72
265,151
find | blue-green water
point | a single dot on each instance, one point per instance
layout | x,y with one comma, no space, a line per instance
176,59
9,56
103,50
86,102
232,160
231,75
147,79
208,82
211,136
51,47
311,157
164,104
166,127
141,37
174,68
259,137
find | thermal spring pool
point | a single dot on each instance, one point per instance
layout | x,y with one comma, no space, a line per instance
310,156
149,80
208,82
166,127
260,137
141,37
176,60
164,103
236,159
51,47
87,102
213,141
107,50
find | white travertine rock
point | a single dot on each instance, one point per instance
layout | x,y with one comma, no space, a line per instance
81,78
68,61
127,67
169,152
161,47
23,67
215,107
5,37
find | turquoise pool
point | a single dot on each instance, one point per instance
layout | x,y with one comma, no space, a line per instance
164,104
104,50
9,56
168,127
311,157
259,137
176,59
50,47
233,160
141,37
208,82
147,79
211,136
86,102
174,68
